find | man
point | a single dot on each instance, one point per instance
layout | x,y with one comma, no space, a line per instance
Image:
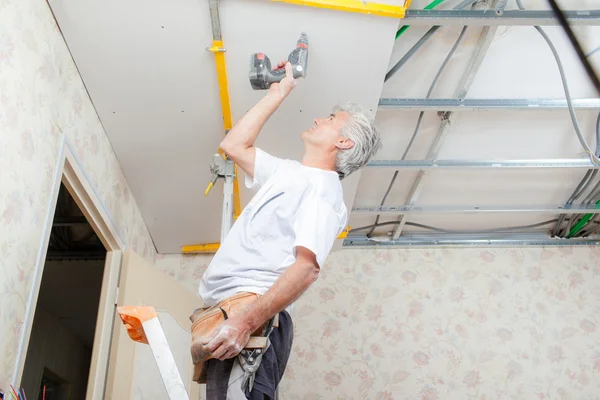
280,241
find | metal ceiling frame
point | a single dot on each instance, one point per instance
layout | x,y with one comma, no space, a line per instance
561,163
490,19
483,43
444,105
474,209
427,240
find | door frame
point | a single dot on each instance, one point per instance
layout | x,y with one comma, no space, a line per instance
69,170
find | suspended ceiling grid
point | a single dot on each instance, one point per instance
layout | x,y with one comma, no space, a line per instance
156,93
518,64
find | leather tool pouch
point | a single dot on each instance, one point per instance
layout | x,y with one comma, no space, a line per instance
206,320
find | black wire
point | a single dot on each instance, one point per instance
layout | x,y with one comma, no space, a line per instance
565,25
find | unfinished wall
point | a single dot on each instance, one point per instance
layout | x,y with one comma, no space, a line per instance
42,99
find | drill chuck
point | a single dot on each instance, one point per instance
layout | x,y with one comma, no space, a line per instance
262,76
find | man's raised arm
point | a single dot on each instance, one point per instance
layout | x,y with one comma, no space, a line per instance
239,142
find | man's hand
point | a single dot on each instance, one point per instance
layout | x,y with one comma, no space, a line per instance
229,339
286,85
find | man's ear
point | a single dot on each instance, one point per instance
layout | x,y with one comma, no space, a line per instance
344,143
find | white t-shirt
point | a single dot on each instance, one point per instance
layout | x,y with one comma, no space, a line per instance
294,206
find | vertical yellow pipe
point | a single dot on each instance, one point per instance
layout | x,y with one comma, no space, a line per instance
219,51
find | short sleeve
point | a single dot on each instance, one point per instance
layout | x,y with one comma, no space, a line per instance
265,166
316,227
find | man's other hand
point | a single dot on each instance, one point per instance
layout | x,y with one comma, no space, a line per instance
286,85
229,339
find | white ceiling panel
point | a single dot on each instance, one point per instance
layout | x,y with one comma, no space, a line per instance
155,89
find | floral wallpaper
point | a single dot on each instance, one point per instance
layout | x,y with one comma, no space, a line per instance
43,100
450,324
186,269
520,323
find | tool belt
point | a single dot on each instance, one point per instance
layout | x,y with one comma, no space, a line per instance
206,320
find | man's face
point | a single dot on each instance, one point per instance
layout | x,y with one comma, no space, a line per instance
326,132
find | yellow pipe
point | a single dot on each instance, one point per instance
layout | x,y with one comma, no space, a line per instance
201,248
218,49
357,6
344,234
213,247
210,185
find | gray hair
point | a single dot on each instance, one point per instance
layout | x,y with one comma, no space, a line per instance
362,131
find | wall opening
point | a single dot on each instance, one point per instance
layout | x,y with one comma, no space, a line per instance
62,338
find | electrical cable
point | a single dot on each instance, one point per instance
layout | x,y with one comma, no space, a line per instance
592,197
594,159
592,52
424,39
582,222
594,226
419,121
586,200
565,25
433,228
429,6
581,188
583,184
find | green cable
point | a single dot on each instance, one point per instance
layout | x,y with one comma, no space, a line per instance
582,222
429,6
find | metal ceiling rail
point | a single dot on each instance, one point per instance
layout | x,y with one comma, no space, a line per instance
492,18
481,164
468,240
483,43
473,209
453,104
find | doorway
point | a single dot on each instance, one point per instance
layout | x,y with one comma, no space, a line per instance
58,360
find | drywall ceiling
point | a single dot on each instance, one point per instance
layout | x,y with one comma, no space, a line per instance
155,89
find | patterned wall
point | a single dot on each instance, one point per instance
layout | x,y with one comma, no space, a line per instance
187,269
443,324
43,98
450,324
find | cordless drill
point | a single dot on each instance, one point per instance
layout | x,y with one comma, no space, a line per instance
261,75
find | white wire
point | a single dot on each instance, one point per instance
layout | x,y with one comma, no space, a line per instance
593,158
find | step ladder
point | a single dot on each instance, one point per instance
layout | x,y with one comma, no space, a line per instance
143,326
